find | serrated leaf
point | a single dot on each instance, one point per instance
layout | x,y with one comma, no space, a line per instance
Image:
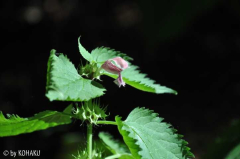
84,52
65,84
117,148
134,78
131,75
15,125
148,137
102,54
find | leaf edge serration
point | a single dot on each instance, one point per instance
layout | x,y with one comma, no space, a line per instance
52,88
34,122
186,154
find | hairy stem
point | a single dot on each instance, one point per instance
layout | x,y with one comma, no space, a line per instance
106,122
89,140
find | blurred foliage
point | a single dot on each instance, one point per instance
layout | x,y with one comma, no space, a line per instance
235,153
225,141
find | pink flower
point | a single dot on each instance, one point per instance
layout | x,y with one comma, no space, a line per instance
116,66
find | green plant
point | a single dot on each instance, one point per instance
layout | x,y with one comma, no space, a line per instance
145,134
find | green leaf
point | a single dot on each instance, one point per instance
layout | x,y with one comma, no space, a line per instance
235,153
69,110
65,84
102,54
134,78
15,125
131,75
117,148
149,138
84,52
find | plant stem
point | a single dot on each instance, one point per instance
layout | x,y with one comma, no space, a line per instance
89,140
113,156
106,122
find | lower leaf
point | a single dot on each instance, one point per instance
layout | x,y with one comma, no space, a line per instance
149,138
15,125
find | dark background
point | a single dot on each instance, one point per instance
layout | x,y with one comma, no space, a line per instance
190,46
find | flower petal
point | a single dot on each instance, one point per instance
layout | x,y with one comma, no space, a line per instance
121,62
119,81
116,66
110,67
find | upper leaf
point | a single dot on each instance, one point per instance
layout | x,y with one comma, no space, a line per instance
149,138
65,84
102,54
15,125
134,78
131,75
84,52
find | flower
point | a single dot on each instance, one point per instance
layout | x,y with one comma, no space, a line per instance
116,66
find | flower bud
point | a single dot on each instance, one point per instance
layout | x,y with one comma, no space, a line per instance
116,66
121,62
110,67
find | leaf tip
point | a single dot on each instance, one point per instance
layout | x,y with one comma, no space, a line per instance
175,92
52,51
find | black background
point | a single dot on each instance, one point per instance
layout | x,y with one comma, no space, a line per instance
190,46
